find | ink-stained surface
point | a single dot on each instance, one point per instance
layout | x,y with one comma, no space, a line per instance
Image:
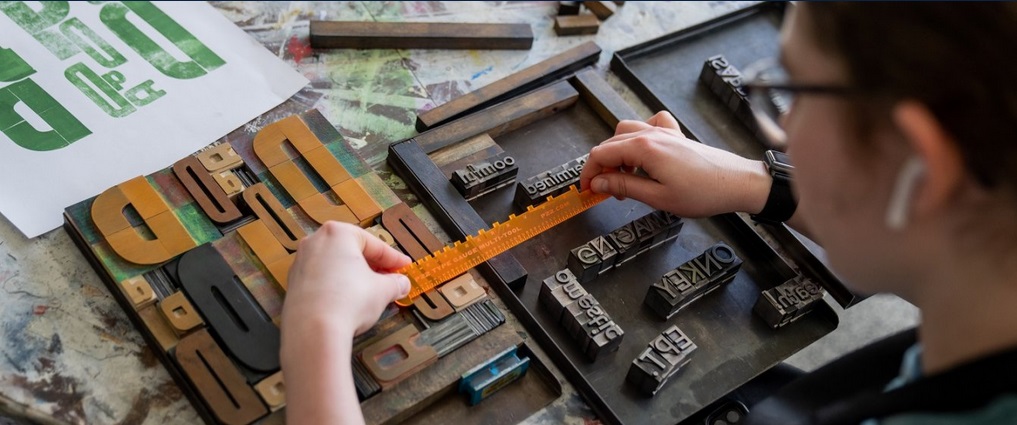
68,354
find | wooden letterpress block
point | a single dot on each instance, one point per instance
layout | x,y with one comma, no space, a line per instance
692,280
223,388
108,211
568,8
548,286
409,231
230,310
270,212
324,164
380,233
179,313
273,391
603,9
366,385
358,201
262,242
322,210
576,25
138,292
788,302
419,35
229,182
584,263
124,240
293,180
143,197
157,326
219,158
483,177
211,197
397,355
280,270
462,291
433,305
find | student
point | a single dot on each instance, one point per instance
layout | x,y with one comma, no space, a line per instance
902,130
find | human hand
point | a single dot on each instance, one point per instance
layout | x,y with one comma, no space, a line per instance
682,176
342,274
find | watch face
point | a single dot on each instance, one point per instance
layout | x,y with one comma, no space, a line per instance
778,162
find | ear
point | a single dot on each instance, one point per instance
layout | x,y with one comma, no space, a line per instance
931,143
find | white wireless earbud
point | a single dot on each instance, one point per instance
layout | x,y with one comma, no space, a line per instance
900,199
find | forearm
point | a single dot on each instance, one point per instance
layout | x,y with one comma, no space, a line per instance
752,188
316,363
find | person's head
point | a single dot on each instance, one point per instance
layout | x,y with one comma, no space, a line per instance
916,165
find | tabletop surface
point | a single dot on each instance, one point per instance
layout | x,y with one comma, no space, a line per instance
68,354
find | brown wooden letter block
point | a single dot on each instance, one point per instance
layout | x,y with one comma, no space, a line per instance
568,8
466,152
268,249
222,157
462,291
179,313
409,231
270,211
534,76
171,238
397,355
358,200
212,199
576,25
157,326
217,380
419,35
229,182
380,233
603,9
273,391
432,305
138,291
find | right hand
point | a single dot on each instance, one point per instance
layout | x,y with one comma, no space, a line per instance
685,177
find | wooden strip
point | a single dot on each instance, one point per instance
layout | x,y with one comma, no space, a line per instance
469,151
576,25
539,74
603,9
409,231
221,157
217,380
606,102
419,35
452,211
503,117
270,211
212,199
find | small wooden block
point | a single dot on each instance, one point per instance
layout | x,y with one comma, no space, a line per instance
568,8
223,388
280,270
130,246
351,193
206,192
604,100
272,391
419,35
462,291
179,313
433,306
321,210
268,143
299,134
262,242
327,166
603,9
157,326
576,25
409,231
271,213
138,291
397,355
108,211
143,197
380,233
220,158
468,151
229,182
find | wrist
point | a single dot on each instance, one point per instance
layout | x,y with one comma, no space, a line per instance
755,187
316,336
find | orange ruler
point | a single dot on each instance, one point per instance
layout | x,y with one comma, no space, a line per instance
453,260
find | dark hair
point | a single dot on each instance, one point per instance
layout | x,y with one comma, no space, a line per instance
958,59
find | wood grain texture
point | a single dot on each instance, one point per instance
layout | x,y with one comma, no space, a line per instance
501,118
606,102
576,25
211,197
223,388
419,35
541,73
603,9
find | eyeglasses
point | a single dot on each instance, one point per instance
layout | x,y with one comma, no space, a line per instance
771,95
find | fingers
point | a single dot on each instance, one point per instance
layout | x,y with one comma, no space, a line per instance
623,185
379,255
630,126
666,120
611,156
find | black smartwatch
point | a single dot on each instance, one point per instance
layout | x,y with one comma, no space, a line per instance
781,203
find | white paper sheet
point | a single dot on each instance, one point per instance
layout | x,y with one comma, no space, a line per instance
241,80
